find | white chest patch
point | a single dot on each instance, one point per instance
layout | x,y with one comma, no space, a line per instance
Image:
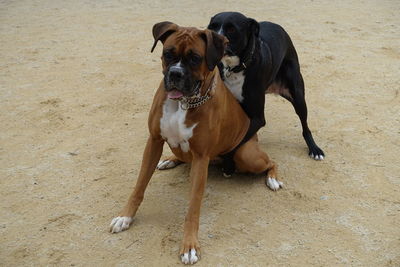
172,125
230,61
234,81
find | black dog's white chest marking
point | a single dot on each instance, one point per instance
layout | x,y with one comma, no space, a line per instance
234,81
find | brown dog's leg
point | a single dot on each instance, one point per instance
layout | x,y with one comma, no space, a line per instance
168,163
250,158
190,251
151,156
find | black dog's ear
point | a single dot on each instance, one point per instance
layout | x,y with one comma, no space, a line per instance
215,47
162,30
209,24
254,26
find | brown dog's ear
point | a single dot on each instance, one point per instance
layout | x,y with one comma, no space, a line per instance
215,48
161,31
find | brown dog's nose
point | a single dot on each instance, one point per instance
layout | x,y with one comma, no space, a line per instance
175,73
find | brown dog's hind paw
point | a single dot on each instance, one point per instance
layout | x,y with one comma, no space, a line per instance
273,183
168,164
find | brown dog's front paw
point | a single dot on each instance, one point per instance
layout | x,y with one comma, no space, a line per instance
190,257
190,252
119,224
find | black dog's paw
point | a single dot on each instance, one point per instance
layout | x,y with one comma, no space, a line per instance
228,170
228,165
316,153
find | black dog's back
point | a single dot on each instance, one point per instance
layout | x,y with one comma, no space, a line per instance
277,40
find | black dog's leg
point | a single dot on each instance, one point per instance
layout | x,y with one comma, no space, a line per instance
300,107
255,125
293,79
228,164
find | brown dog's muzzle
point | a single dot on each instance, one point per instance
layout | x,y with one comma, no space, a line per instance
179,82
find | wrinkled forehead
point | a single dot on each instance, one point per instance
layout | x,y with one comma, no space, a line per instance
184,41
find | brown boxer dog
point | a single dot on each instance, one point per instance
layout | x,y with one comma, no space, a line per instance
199,118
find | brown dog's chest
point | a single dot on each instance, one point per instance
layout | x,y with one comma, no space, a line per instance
173,126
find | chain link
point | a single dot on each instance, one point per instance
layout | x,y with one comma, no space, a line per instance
197,101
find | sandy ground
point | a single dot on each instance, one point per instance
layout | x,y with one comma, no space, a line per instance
76,82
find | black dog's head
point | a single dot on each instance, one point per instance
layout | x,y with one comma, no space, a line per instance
189,55
237,28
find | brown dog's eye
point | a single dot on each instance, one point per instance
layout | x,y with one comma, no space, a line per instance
168,56
195,59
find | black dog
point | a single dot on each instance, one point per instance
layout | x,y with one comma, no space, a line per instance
260,58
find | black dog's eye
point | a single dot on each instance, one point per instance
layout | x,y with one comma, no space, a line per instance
230,29
168,55
195,60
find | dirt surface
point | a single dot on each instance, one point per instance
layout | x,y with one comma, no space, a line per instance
76,83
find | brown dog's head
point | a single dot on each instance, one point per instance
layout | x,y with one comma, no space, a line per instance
189,55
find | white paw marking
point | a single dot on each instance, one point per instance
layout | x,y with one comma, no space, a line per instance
316,157
119,224
226,175
274,184
190,257
166,164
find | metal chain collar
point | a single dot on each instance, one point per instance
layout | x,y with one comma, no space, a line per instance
194,102
243,63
